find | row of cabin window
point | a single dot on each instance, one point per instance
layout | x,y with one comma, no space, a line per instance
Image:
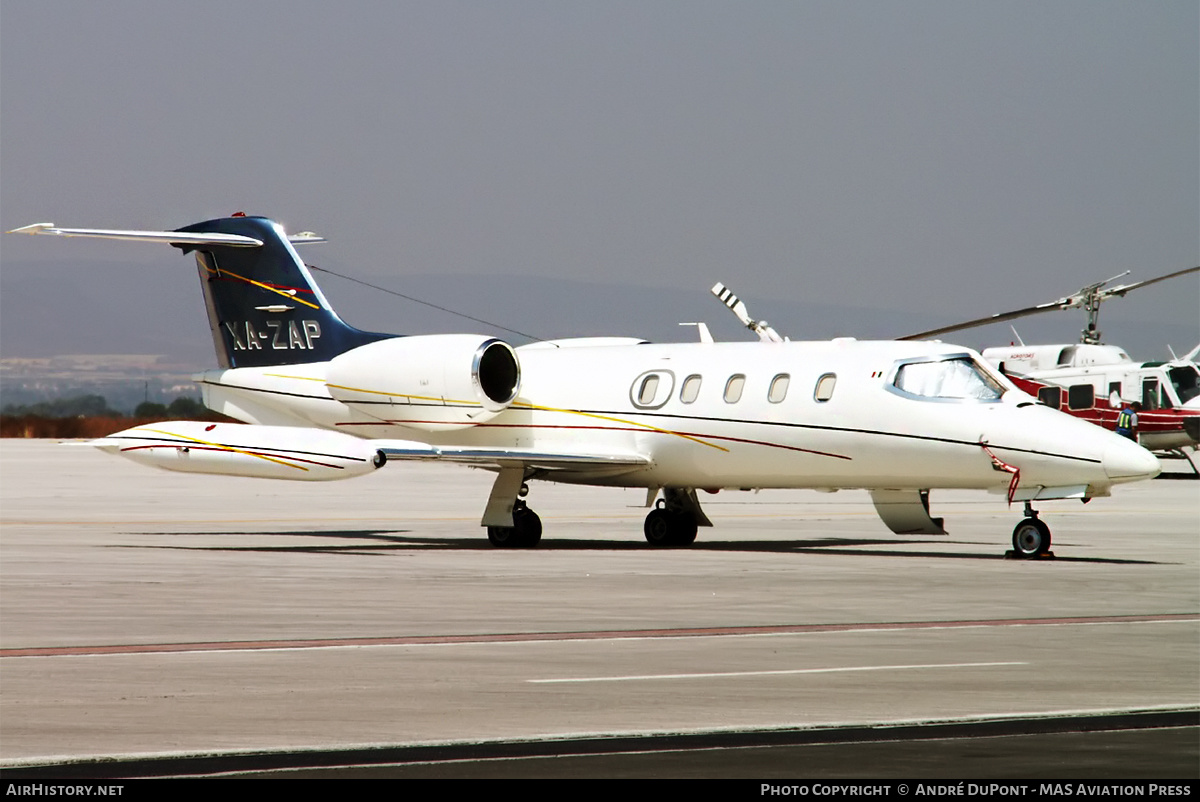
776,393
1079,396
1083,396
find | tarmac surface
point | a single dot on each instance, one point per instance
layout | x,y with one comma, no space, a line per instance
146,614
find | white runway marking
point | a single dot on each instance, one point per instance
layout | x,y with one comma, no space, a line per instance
636,677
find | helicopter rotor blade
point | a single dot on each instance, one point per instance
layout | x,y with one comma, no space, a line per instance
1063,303
1124,288
1089,296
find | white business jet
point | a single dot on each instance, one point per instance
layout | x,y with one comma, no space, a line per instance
328,401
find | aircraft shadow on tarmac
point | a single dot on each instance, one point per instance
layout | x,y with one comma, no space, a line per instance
378,543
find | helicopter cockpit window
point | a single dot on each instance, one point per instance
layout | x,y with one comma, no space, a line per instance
1186,380
947,379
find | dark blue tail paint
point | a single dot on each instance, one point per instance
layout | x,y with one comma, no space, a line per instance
263,306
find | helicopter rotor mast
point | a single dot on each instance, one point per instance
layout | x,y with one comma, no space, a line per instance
1090,298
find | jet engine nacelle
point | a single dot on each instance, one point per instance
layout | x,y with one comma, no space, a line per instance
437,382
237,449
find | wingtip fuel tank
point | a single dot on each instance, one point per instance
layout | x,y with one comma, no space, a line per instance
234,449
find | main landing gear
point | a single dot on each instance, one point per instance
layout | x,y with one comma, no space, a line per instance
675,518
525,533
510,523
666,528
1031,538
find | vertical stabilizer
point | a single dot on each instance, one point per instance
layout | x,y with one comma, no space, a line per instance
263,306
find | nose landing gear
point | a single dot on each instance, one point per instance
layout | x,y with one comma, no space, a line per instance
1031,537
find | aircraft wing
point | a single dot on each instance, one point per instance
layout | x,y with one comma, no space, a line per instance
497,458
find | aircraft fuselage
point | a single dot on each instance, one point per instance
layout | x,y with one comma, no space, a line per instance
701,432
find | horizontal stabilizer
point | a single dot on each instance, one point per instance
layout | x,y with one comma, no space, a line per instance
172,237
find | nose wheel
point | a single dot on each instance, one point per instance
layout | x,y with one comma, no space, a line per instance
1031,537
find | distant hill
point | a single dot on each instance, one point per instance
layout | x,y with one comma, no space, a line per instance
98,307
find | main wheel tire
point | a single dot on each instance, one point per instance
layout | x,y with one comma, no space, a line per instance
1031,537
503,537
529,528
525,533
658,528
664,528
685,534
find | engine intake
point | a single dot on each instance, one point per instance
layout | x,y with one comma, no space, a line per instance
437,382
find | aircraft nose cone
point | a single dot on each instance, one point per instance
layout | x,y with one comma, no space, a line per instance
1126,461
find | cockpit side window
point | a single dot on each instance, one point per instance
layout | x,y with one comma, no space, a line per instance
948,380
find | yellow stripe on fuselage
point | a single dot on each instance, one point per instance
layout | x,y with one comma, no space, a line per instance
526,405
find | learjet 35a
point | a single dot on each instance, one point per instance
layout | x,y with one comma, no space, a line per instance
324,400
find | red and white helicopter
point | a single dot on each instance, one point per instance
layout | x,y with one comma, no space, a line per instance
324,400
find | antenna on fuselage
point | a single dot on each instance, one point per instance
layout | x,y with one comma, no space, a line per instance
701,330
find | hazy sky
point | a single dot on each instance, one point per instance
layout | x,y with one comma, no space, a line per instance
949,158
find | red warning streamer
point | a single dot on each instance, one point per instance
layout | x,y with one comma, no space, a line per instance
1000,465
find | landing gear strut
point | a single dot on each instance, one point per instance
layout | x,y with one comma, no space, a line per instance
1031,537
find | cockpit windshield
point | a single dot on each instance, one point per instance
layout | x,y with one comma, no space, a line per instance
1186,380
949,379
